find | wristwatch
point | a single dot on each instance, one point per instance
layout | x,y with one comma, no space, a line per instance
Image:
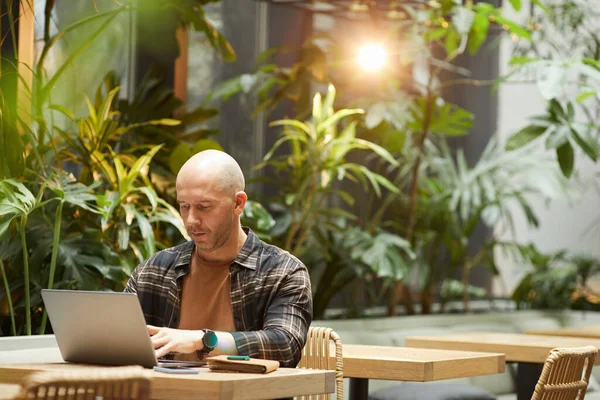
209,340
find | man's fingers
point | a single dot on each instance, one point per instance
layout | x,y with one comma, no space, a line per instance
159,341
152,330
160,334
163,351
167,340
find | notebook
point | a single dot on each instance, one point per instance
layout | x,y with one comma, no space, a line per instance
253,365
102,328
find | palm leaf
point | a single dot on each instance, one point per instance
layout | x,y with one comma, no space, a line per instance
337,117
146,232
138,168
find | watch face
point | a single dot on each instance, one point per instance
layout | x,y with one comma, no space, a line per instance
210,339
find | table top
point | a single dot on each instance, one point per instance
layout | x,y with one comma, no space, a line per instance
592,332
284,382
419,365
519,347
8,391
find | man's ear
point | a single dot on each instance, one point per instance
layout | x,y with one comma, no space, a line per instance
240,202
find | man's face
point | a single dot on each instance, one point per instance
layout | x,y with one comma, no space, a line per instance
208,215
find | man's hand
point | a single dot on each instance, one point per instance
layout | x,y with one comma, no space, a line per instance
168,340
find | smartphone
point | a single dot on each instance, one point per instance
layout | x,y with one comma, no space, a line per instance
177,363
177,370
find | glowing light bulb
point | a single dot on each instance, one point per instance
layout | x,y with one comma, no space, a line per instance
372,57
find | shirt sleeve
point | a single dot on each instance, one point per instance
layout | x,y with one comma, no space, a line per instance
286,324
131,286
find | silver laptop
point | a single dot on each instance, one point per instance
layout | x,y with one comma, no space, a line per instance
99,327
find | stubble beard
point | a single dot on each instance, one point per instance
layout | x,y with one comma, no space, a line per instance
216,239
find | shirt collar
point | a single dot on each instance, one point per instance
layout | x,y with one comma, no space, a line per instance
184,256
247,257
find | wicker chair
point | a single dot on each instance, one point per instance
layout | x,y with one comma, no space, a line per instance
566,374
90,383
315,355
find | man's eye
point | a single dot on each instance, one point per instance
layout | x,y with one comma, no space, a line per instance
184,206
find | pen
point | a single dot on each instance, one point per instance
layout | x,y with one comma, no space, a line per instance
241,358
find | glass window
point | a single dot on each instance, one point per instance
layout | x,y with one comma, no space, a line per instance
87,52
203,63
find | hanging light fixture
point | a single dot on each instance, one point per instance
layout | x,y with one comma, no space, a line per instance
372,57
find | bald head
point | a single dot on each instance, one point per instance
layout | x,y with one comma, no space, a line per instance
211,197
212,168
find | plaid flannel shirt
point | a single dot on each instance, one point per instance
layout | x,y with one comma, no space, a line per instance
270,296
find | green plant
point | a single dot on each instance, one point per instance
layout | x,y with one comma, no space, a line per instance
388,255
96,212
456,199
487,193
561,130
406,113
273,84
467,31
565,58
189,13
153,100
257,218
308,221
336,257
126,200
557,280
317,158
331,265
550,284
7,251
453,289
67,190
17,203
585,297
91,151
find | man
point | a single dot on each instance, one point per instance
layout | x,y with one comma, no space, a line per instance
225,291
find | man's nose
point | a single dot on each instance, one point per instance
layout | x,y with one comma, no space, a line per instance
194,218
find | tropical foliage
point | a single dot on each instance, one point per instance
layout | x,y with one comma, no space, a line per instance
557,280
318,157
309,174
441,201
86,188
566,67
370,190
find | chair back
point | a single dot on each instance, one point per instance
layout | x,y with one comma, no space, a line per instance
566,374
316,355
88,383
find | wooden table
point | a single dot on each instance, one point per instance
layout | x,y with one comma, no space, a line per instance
285,382
362,363
529,351
591,332
8,391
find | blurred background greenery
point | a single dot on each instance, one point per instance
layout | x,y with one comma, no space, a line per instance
367,129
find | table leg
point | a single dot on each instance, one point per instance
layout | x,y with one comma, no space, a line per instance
359,389
527,377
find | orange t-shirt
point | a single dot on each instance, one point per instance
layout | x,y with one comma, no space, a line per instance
206,300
